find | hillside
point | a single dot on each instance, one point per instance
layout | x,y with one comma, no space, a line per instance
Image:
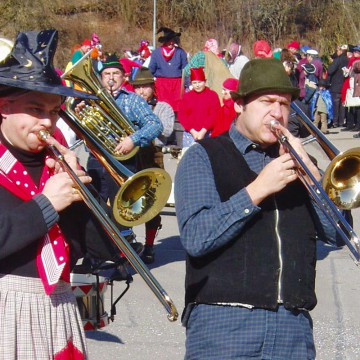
121,24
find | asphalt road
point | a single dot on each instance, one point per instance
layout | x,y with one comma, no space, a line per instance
141,330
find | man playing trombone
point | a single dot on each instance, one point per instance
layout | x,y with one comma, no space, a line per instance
44,226
249,228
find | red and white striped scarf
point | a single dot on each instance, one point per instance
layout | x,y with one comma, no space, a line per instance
53,252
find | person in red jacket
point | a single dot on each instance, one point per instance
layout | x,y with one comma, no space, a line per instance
227,112
198,109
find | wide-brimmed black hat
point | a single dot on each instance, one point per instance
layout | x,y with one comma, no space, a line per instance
168,35
264,76
29,66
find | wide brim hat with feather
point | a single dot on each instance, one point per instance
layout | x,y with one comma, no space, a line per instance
168,35
29,66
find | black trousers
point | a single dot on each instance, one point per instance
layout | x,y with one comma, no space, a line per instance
339,110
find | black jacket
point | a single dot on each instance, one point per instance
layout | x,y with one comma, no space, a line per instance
335,73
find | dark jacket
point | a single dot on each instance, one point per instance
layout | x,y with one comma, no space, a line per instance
248,269
335,73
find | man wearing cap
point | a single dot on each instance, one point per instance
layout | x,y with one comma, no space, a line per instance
336,80
45,228
248,227
143,84
148,127
136,111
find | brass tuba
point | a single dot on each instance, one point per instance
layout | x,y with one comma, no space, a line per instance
141,195
102,118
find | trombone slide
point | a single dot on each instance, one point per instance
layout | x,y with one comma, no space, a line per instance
115,235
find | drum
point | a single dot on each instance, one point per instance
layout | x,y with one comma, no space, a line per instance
89,291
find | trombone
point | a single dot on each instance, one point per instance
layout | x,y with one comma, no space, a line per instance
341,179
331,183
114,233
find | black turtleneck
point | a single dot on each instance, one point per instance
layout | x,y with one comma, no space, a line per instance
24,224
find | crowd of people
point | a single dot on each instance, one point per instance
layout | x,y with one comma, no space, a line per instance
332,103
250,269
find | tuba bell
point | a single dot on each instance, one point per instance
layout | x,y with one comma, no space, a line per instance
142,195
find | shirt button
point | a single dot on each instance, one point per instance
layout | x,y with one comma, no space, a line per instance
61,258
246,211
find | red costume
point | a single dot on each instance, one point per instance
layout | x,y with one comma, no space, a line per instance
199,110
226,116
346,84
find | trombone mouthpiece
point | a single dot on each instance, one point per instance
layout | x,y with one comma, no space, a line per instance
43,135
273,123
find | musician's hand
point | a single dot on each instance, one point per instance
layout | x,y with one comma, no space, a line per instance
299,149
60,189
69,156
273,178
79,107
125,146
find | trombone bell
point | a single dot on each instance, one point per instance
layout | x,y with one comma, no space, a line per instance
142,197
341,180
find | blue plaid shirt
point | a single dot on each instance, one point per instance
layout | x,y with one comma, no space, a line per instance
136,109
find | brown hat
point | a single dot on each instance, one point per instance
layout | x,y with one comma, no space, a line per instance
143,76
263,76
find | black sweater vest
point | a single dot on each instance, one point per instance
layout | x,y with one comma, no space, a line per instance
248,269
